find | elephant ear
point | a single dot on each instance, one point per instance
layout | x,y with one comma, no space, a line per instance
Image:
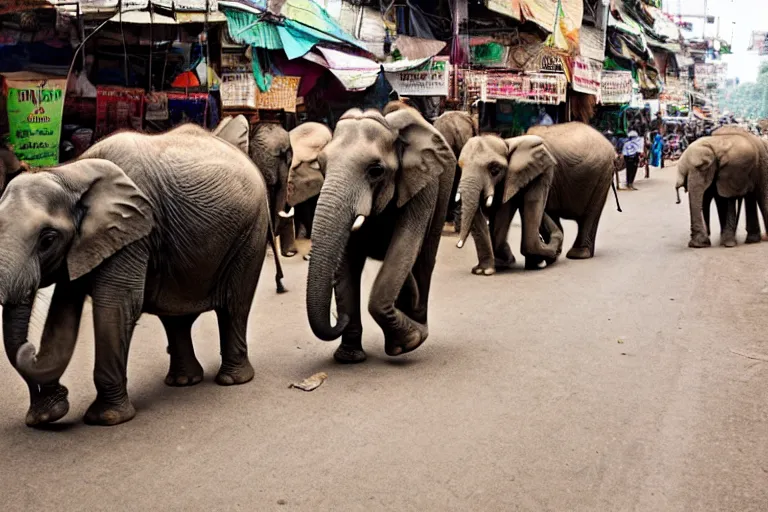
234,130
529,158
115,212
424,153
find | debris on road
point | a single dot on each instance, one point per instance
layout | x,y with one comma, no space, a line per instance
750,355
311,383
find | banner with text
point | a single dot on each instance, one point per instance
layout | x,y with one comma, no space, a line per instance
586,76
541,88
430,79
35,110
616,87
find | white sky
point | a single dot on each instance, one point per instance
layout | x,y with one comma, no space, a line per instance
738,19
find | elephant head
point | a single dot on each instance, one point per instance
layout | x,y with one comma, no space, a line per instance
489,163
373,163
57,226
270,149
305,179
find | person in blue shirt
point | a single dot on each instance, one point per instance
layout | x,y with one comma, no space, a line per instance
657,150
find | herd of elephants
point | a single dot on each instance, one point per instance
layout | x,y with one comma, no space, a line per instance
177,224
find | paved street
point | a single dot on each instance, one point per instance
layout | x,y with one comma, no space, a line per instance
633,381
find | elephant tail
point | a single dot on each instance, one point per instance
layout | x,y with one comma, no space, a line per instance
278,266
616,195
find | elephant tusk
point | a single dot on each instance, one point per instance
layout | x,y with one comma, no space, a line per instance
287,215
489,201
358,223
458,197
460,244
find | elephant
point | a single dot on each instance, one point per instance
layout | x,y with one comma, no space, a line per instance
552,172
305,178
728,166
385,196
270,148
172,225
457,128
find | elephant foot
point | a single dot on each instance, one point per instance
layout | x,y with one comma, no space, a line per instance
290,253
728,242
579,253
187,375
348,354
504,264
483,269
109,414
48,405
764,237
753,238
232,374
699,242
413,339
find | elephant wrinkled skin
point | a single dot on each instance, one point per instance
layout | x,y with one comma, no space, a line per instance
553,172
173,225
385,196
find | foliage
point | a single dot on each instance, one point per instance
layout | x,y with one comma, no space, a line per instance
748,100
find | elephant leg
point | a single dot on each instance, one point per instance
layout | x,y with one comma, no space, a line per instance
286,233
728,228
118,297
533,248
483,245
753,222
503,256
697,193
232,315
551,232
347,291
185,370
412,251
48,403
721,204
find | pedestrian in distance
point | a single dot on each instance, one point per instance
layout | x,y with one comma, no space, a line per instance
631,151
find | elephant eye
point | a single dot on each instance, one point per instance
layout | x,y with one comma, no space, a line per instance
376,172
495,169
47,239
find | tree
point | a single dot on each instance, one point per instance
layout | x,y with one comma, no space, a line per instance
748,99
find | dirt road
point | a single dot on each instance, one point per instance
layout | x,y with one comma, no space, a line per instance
633,381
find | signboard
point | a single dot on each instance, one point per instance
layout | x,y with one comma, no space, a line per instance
118,108
431,79
616,87
35,109
586,76
541,88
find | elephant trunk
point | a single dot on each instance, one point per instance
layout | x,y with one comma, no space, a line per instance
333,220
43,368
471,191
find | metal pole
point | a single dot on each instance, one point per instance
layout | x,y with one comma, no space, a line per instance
704,28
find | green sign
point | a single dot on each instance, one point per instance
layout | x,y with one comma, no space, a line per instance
35,108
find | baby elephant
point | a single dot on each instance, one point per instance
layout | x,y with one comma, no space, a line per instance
553,172
173,225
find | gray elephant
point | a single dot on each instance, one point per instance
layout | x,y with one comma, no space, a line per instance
385,196
305,178
728,166
172,225
561,171
457,128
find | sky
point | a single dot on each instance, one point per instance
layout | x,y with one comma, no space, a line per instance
738,19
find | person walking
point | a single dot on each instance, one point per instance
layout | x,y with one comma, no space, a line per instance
657,150
631,151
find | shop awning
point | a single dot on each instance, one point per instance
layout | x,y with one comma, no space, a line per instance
541,13
111,6
417,47
302,16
